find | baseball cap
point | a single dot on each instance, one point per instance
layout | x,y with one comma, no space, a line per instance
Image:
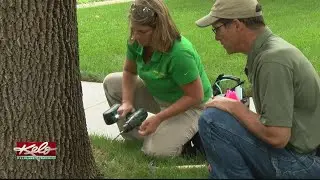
230,9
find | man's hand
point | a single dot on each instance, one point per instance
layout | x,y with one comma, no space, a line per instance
149,126
278,137
223,103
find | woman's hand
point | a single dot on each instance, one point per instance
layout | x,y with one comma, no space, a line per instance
149,126
124,109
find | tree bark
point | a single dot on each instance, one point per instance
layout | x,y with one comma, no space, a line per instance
40,93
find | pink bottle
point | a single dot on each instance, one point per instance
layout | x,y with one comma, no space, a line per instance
232,95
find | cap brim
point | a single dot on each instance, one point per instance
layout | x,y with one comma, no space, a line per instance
206,21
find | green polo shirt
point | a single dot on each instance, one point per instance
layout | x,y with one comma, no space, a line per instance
286,89
166,72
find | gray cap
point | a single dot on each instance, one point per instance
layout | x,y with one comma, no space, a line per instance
230,9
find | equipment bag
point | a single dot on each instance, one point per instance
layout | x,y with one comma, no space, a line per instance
228,82
220,86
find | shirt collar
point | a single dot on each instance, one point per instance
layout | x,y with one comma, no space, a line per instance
156,56
258,43
139,50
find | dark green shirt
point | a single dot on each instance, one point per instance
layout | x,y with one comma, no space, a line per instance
167,72
286,89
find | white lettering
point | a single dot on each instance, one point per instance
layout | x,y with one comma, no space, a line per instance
32,149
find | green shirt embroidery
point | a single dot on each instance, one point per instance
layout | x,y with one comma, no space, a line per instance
167,72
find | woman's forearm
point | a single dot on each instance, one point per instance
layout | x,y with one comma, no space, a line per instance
181,105
128,86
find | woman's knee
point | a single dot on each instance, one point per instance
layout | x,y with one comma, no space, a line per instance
162,145
111,80
161,151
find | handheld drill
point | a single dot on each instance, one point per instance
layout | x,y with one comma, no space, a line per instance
133,119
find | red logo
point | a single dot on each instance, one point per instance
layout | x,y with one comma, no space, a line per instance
35,150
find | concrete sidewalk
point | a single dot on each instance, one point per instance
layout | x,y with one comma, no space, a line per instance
95,104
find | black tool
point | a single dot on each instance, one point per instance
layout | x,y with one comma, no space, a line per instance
133,120
111,115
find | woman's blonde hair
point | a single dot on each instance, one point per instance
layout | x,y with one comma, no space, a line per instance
154,13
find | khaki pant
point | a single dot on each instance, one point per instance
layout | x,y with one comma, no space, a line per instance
171,134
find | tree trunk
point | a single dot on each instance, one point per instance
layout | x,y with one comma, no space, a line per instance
40,93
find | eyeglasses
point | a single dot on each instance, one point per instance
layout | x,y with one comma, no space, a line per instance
141,10
214,30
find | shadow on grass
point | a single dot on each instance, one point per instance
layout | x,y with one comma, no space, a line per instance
124,159
92,77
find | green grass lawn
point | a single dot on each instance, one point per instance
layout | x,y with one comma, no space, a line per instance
123,159
103,32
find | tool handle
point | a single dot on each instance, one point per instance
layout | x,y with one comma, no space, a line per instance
111,115
135,120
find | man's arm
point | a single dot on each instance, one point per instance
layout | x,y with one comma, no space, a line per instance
274,88
278,137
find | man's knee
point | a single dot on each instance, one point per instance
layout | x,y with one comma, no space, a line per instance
214,120
212,116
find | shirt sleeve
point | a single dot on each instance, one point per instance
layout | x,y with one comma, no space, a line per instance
184,68
276,94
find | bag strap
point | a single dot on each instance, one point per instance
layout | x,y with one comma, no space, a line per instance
216,86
